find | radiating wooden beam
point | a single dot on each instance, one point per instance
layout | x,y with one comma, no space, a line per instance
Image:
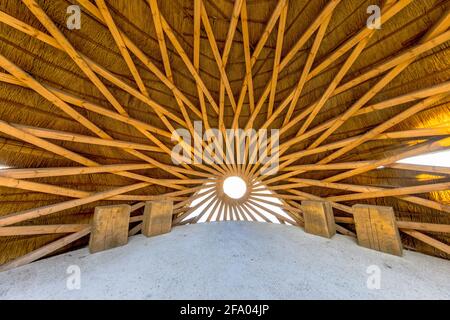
45,250
29,138
428,240
28,173
208,211
33,84
166,61
208,196
298,183
393,192
66,45
420,226
217,57
53,208
42,229
390,10
423,168
69,136
440,27
93,10
247,56
101,4
226,52
260,45
307,68
423,148
277,58
334,83
173,39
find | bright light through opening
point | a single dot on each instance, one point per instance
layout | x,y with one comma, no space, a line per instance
440,159
234,187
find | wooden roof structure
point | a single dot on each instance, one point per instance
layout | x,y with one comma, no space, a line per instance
87,115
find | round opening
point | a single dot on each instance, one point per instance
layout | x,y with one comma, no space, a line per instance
234,187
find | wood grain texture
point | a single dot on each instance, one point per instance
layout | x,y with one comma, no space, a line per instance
319,218
109,227
376,228
157,218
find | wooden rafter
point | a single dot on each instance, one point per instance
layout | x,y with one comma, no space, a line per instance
304,133
277,58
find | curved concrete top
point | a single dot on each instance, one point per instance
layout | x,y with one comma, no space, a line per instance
232,260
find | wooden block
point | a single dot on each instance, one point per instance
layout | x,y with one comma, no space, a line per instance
109,227
376,228
157,218
319,218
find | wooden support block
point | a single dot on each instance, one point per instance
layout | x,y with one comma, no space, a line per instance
319,218
376,228
157,218
109,227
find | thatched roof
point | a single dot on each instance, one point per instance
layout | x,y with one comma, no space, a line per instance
312,69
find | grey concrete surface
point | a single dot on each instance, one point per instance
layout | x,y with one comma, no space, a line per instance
232,260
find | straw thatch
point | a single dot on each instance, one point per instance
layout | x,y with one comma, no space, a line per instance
29,45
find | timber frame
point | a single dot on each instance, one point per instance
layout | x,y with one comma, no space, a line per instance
229,72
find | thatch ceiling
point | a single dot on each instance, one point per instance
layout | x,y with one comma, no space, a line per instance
349,102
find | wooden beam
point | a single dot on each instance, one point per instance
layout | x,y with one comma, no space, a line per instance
214,211
428,240
393,192
124,52
335,82
173,39
307,68
227,47
53,208
420,226
166,61
423,148
69,136
415,167
208,211
247,56
208,196
390,10
93,10
277,58
45,250
65,44
162,45
260,45
42,229
33,84
441,26
357,188
22,135
217,57
101,4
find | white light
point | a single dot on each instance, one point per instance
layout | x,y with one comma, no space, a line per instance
440,159
234,187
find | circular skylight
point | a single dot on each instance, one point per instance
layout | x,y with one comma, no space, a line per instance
234,187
